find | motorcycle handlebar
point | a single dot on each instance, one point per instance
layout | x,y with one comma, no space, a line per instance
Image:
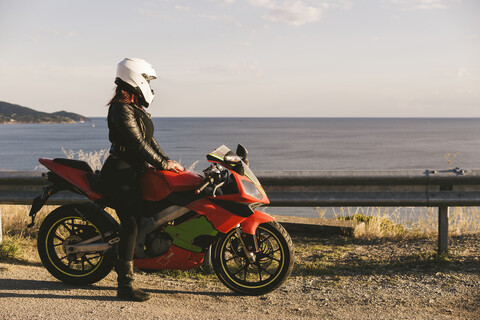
202,187
215,176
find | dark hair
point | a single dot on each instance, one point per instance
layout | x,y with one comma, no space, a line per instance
124,96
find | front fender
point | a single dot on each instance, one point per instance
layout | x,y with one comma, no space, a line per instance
250,224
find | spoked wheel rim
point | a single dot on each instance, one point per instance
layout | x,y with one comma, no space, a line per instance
268,264
68,231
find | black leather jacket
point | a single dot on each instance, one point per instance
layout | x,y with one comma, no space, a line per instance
131,134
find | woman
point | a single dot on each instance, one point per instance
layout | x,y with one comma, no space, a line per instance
133,148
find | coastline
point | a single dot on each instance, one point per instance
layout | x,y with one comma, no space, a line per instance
40,122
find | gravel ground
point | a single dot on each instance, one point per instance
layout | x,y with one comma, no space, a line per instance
333,279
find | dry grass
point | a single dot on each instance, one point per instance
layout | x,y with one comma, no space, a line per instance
408,222
377,223
95,159
19,249
15,219
19,242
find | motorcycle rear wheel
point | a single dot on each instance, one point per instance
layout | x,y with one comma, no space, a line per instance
273,265
70,224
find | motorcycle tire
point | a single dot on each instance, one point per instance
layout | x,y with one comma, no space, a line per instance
70,224
273,264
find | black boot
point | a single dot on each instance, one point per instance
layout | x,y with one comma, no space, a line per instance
126,287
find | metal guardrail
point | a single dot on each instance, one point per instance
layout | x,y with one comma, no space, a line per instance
423,188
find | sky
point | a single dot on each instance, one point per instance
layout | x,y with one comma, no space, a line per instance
247,58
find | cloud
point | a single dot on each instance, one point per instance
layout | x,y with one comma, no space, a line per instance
423,4
148,12
338,4
39,35
223,18
223,1
154,10
244,44
235,69
180,8
154,13
295,13
467,75
61,33
298,12
472,36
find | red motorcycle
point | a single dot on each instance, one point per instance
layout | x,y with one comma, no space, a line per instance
186,217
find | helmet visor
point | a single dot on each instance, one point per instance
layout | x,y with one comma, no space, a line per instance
148,78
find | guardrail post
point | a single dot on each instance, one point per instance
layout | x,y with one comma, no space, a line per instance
442,229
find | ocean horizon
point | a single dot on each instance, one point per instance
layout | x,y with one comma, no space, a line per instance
273,143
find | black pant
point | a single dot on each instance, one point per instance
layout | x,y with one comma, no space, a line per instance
122,181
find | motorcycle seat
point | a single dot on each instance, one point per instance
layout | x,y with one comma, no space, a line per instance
77,164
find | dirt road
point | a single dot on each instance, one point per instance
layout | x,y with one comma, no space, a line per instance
366,281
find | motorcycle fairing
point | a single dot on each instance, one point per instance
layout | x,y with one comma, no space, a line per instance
175,259
73,174
157,185
221,219
178,258
193,235
199,232
240,170
238,208
242,195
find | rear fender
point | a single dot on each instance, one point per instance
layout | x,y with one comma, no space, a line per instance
39,201
90,211
93,209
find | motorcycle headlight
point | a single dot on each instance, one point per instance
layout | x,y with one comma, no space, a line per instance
251,189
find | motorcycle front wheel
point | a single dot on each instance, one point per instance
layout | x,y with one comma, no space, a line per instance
67,225
273,263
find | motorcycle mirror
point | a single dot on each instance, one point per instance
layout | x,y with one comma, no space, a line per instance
242,153
231,157
235,162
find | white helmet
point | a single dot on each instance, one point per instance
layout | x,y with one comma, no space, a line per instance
134,74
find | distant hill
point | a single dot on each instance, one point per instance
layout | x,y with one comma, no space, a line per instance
13,113
71,115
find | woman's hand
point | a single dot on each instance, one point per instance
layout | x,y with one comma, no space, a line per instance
175,166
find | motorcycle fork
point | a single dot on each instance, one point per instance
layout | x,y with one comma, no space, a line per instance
249,244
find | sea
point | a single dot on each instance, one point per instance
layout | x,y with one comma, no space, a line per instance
272,143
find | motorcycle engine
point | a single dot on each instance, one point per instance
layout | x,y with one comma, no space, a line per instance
157,244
